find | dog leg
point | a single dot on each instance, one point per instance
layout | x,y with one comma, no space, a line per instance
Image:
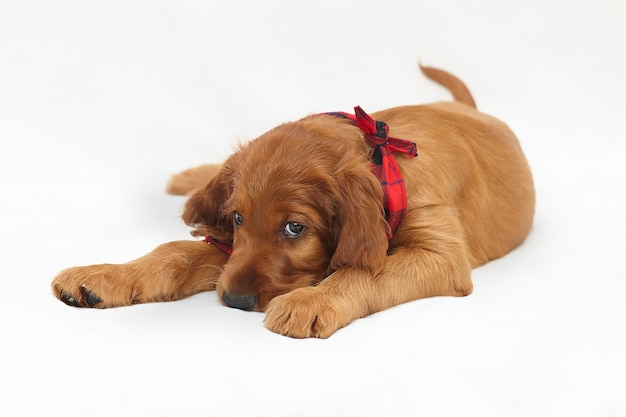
172,271
432,260
191,179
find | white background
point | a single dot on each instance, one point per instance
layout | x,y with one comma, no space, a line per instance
101,101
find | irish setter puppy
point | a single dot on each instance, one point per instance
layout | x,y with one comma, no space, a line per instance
331,218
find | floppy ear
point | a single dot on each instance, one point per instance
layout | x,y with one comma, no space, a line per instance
360,227
203,210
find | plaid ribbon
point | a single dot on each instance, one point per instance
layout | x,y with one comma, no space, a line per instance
224,247
384,165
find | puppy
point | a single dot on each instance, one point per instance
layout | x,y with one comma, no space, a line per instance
336,216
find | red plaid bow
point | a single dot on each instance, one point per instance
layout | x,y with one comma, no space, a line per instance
224,247
384,166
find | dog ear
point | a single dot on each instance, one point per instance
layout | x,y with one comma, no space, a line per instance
360,229
203,210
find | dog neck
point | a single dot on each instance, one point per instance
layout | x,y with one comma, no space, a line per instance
384,165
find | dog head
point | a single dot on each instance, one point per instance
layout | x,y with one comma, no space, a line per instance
297,204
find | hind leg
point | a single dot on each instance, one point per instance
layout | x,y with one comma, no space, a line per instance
185,182
170,272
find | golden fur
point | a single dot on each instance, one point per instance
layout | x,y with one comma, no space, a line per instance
470,199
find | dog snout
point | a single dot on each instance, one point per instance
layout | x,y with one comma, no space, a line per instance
242,302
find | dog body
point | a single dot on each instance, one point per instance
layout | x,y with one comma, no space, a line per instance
305,217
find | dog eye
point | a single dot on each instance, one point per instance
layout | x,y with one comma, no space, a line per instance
293,230
238,219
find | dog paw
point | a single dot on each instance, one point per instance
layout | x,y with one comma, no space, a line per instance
305,312
89,286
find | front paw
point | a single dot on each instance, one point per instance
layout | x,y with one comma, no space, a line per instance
306,312
91,286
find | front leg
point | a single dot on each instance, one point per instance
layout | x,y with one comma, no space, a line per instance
432,260
170,272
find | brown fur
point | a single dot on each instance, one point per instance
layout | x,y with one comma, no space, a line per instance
470,200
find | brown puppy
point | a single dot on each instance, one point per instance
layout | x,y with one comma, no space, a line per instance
305,216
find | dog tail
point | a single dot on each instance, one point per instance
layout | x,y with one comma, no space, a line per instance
459,90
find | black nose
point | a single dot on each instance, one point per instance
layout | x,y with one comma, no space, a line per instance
242,302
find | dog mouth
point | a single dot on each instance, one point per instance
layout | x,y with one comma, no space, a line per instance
252,288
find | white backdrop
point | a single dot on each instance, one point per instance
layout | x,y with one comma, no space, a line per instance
101,101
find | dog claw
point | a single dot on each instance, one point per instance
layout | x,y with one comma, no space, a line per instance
69,300
91,298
